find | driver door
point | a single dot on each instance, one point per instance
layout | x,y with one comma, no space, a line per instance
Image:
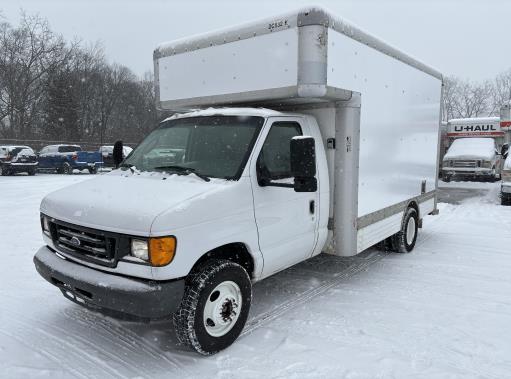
286,220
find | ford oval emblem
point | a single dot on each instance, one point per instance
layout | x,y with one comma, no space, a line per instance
75,241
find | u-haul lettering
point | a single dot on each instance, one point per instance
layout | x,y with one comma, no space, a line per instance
475,130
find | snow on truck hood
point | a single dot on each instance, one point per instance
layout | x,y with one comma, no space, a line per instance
126,202
471,148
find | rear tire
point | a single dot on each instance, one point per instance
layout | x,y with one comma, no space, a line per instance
31,172
3,171
66,168
215,306
404,240
93,170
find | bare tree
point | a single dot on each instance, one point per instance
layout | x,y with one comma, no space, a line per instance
27,54
462,99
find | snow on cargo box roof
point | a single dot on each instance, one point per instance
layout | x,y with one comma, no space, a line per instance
476,148
474,120
261,112
270,61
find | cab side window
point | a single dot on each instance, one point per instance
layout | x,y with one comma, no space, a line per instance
274,161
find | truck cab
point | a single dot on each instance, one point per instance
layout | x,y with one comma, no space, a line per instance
472,159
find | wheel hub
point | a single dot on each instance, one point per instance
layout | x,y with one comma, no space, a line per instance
410,231
222,308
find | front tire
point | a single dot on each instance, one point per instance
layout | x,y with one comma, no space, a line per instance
67,169
404,240
31,172
215,306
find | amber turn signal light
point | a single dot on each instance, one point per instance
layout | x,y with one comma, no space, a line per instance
161,250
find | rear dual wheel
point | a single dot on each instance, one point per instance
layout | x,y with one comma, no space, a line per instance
215,306
404,240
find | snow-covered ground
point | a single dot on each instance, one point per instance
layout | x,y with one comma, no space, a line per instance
443,311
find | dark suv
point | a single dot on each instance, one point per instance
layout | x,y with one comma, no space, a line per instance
17,158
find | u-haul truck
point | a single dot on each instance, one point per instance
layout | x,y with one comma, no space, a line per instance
292,136
474,151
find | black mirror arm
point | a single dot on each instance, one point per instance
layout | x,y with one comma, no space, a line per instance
266,182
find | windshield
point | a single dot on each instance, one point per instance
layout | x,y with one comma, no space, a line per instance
212,146
24,150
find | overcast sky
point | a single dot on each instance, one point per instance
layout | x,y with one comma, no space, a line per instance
466,38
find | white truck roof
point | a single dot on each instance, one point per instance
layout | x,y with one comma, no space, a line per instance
471,148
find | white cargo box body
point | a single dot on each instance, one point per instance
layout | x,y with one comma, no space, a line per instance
381,106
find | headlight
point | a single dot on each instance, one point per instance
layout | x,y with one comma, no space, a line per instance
139,249
487,164
505,176
45,224
446,163
156,251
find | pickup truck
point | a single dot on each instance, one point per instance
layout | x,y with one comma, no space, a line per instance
343,156
66,158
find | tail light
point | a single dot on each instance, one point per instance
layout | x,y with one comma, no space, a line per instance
8,157
74,157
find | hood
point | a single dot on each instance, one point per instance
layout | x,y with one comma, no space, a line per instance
471,148
125,202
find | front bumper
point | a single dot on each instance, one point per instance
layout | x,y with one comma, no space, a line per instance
468,173
109,293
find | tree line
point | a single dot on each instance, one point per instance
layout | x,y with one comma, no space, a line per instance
52,89
463,98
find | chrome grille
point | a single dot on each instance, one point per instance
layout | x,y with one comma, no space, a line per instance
84,243
466,164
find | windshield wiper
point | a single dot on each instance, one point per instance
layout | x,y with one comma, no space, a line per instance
184,170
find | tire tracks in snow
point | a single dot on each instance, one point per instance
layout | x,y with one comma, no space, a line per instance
71,353
42,349
266,317
130,340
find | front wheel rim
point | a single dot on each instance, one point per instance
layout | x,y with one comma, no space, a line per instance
222,309
410,231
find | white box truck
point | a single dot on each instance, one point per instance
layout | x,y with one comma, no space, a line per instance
475,149
292,136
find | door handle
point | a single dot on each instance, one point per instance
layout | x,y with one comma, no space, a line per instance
312,206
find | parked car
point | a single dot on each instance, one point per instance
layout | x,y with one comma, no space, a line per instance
66,158
107,154
505,188
17,158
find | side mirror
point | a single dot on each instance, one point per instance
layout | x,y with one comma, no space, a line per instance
303,164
